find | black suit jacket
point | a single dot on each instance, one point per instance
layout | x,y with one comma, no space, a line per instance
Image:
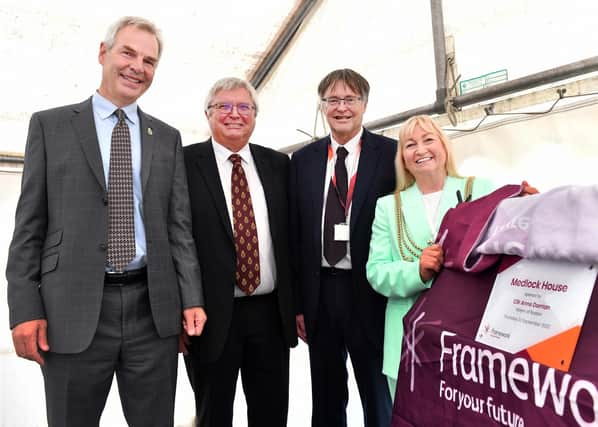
214,240
375,178
57,256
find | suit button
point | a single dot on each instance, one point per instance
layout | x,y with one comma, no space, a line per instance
103,246
105,200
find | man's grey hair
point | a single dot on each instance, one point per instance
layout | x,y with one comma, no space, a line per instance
138,22
230,83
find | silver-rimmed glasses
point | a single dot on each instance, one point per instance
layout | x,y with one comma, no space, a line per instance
243,108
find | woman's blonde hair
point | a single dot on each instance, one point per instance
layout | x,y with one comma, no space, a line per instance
404,178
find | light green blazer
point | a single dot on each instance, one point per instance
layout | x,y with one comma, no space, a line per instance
394,277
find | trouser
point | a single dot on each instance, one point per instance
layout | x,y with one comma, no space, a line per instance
337,334
125,343
255,346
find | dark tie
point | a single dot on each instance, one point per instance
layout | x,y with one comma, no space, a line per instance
246,244
335,250
121,225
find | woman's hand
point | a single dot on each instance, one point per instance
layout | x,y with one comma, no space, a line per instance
430,262
528,190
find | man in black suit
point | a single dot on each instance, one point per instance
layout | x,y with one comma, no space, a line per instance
102,266
334,185
239,207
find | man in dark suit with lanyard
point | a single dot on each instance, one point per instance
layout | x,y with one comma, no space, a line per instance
102,266
334,185
239,206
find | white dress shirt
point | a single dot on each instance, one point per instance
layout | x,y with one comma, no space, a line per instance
260,210
431,203
353,148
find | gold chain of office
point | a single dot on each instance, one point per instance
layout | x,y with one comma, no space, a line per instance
403,235
405,241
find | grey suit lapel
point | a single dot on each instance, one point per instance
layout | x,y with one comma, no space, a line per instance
148,142
85,128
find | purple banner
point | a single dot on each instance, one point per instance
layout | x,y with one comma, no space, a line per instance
446,378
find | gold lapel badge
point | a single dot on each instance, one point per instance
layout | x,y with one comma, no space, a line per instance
150,131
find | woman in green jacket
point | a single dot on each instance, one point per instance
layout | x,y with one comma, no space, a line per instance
403,260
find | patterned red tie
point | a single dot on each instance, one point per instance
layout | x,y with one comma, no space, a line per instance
245,231
121,225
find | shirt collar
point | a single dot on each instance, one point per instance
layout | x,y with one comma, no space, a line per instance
222,153
350,145
105,108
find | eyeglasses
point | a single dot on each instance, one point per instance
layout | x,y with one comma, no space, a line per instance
243,108
334,102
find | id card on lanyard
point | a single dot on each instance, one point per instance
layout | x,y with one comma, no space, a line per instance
341,230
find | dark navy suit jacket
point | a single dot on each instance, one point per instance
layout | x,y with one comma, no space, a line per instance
375,178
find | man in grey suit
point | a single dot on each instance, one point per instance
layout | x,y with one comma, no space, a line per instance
102,268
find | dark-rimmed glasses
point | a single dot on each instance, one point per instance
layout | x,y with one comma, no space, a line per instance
333,101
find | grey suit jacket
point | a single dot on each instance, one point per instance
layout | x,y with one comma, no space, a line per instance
57,256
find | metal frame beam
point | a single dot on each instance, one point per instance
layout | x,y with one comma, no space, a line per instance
281,43
552,75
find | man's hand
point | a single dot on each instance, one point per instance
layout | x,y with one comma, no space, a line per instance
300,320
194,319
184,342
430,262
30,337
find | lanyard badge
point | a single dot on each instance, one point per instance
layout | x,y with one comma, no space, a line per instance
341,230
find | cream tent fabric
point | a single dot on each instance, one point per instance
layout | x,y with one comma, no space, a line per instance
49,57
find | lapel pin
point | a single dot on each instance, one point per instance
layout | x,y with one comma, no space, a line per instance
150,131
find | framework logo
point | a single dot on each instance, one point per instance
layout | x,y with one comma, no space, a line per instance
413,336
486,330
